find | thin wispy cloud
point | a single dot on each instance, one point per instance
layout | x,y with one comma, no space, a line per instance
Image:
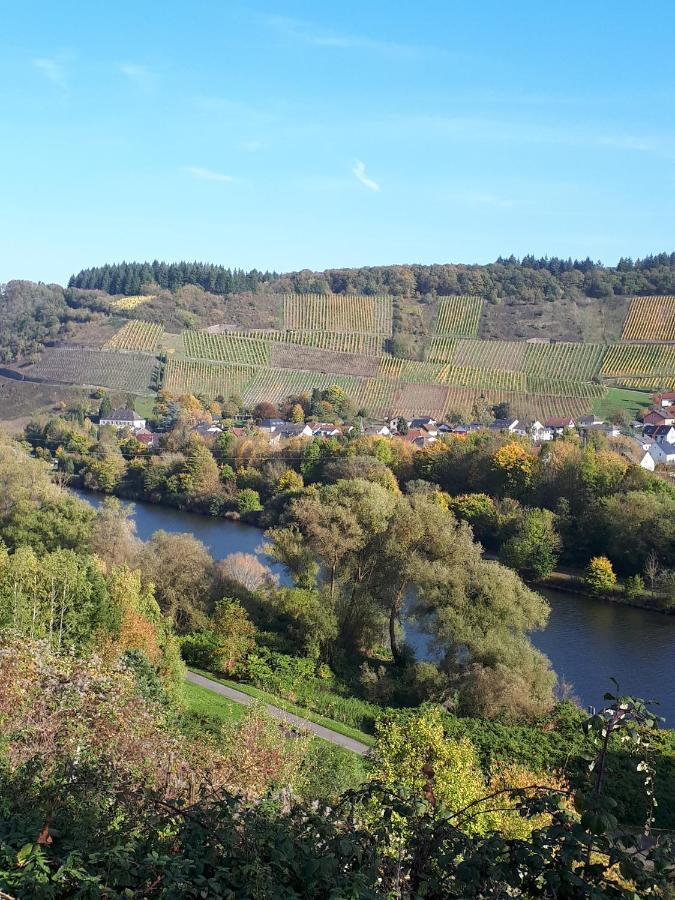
503,131
140,75
307,33
209,175
359,171
53,69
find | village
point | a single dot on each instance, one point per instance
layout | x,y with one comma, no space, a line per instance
648,442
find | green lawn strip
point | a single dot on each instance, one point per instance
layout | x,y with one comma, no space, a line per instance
143,406
622,399
302,711
203,702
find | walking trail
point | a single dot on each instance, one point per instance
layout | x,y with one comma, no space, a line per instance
327,734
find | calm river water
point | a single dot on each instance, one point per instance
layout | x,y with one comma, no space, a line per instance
587,641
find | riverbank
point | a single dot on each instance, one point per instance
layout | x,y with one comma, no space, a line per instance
565,580
573,584
588,641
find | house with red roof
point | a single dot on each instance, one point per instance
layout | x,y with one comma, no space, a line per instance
557,424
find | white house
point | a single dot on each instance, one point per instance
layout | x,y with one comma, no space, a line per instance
377,431
558,424
123,418
647,462
325,430
510,425
662,453
536,430
292,430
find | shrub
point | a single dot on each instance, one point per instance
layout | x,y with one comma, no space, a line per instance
634,587
248,501
200,649
600,577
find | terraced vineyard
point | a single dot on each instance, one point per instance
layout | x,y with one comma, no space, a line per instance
366,344
524,406
506,355
411,370
133,301
583,390
229,347
570,362
639,359
193,376
657,383
441,349
137,335
650,319
343,340
344,312
132,372
458,315
275,385
291,356
491,379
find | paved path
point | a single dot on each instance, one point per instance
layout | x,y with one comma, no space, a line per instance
334,737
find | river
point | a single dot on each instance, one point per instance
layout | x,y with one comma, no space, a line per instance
588,641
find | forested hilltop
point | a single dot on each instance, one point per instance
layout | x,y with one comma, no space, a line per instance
528,278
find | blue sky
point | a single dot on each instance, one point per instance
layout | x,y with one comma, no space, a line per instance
312,135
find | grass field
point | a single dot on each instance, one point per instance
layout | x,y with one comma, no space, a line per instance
22,400
621,399
203,702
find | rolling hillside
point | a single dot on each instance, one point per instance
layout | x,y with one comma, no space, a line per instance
351,341
550,337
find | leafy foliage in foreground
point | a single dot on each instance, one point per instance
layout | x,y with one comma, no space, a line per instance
107,803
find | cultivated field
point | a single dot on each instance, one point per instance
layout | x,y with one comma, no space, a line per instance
275,385
192,376
410,370
650,319
366,344
459,315
292,356
137,335
639,359
582,390
656,383
132,372
229,347
492,379
506,355
570,362
346,313
441,349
